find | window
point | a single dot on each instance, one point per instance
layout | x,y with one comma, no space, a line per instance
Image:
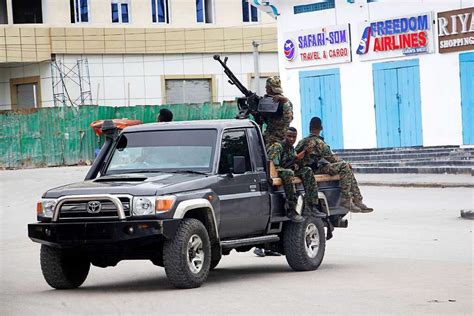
79,10
120,11
164,151
27,11
204,11
3,12
322,5
160,11
25,93
249,12
234,143
180,91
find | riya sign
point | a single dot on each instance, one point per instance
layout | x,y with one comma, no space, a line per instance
320,46
397,37
456,30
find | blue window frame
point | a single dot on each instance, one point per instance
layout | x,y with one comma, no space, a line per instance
159,11
249,12
79,11
120,11
204,11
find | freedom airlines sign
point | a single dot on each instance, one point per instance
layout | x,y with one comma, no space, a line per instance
396,37
319,46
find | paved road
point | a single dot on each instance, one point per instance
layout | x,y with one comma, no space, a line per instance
412,256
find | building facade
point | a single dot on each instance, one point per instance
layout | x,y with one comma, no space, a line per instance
129,52
384,73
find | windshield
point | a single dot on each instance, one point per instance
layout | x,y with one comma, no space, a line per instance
179,150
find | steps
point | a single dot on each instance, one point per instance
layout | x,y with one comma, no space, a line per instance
426,160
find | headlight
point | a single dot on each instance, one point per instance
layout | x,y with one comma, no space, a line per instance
149,205
45,207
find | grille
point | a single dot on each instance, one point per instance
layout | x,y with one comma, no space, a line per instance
78,210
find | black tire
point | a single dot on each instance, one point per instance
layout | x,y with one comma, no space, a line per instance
176,255
62,269
214,264
295,241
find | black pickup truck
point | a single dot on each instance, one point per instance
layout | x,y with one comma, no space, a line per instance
180,194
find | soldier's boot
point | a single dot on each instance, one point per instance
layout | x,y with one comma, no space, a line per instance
363,208
313,210
348,204
290,207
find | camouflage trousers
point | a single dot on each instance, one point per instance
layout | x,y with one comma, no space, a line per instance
309,184
349,186
275,152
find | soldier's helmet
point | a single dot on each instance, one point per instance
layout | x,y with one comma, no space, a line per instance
274,83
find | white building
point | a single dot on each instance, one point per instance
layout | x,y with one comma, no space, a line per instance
128,52
410,83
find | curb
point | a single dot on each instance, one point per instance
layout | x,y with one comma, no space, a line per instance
417,185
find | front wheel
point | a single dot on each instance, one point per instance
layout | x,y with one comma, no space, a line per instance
304,244
63,269
187,257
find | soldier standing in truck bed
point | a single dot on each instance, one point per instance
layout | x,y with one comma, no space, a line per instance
319,153
274,136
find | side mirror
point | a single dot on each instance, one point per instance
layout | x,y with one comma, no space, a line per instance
239,165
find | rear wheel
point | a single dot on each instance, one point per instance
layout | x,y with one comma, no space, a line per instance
63,269
304,244
187,258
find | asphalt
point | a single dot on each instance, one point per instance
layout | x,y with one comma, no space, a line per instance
416,180
412,256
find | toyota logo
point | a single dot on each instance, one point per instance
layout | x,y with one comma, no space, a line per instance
94,207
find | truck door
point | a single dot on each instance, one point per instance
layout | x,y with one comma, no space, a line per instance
243,208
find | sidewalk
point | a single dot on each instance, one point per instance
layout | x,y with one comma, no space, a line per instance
416,180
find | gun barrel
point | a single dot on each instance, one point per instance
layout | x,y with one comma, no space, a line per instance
233,79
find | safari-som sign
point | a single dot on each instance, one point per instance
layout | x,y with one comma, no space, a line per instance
321,46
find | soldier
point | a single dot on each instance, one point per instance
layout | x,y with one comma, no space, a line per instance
320,154
289,168
274,136
291,161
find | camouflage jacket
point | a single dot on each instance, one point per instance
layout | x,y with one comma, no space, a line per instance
288,154
316,149
277,126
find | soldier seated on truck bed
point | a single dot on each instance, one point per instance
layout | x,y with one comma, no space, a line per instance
328,162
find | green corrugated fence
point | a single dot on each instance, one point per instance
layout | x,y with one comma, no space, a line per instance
62,135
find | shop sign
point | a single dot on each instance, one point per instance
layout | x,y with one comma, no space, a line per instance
396,37
456,30
319,46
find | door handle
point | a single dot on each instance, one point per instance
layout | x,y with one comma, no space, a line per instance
253,188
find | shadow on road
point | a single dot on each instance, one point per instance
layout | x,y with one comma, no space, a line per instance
216,277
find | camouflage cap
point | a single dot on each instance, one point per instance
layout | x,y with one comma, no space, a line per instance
274,83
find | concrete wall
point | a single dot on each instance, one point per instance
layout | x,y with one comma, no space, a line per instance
439,73
113,76
183,14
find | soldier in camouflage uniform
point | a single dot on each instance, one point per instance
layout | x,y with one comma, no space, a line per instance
274,136
291,161
317,152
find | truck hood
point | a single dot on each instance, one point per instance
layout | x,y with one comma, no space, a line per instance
134,184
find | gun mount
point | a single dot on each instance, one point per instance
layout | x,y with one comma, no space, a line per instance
252,103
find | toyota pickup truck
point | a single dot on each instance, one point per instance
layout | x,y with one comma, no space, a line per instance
180,194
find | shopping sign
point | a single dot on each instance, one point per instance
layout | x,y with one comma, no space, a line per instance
319,46
396,37
456,30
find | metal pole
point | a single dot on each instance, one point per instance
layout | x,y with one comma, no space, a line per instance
256,67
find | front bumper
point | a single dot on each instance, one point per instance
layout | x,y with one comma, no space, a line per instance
101,233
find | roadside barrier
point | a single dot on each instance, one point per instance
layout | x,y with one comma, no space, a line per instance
58,136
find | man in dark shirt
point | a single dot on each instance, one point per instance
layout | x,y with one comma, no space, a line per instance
165,116
319,153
